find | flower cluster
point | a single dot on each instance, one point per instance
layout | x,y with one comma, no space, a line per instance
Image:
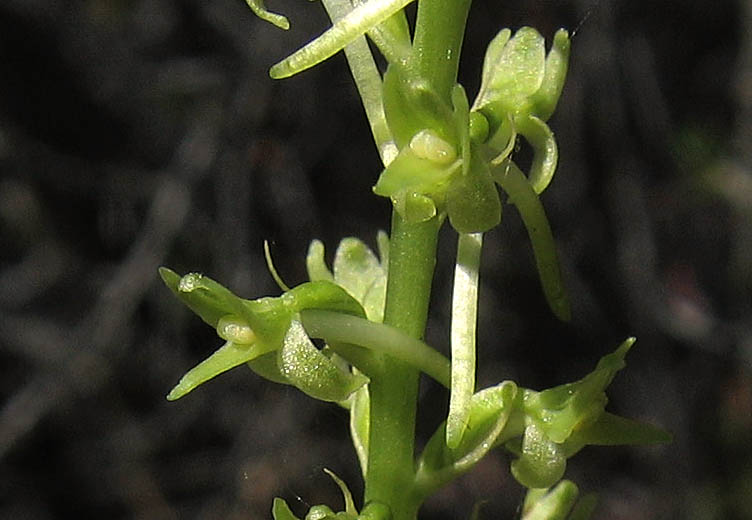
541,429
443,158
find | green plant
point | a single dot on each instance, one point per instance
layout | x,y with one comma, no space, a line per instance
443,158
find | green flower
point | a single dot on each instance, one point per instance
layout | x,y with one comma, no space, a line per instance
447,153
267,335
562,420
520,88
542,429
439,170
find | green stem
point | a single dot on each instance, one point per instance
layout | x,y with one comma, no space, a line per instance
439,30
440,27
394,383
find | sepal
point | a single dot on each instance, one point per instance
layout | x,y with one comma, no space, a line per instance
360,425
473,203
545,151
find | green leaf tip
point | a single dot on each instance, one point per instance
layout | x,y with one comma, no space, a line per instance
258,8
356,23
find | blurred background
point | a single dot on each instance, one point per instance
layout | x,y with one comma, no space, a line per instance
140,133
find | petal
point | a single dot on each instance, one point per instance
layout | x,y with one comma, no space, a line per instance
267,367
324,296
409,174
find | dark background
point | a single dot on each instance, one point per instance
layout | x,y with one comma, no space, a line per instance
135,134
